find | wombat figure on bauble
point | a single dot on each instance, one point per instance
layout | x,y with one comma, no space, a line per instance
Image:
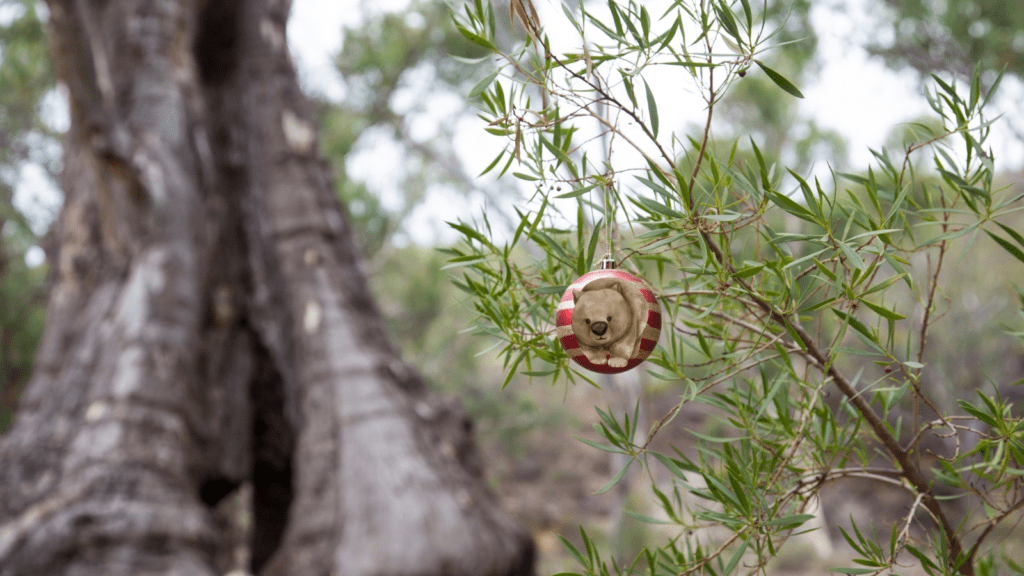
607,320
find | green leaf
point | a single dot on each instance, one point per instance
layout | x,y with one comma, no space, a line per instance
656,187
951,235
727,20
883,312
627,81
475,38
615,480
653,107
724,217
1013,234
572,550
558,152
978,413
851,255
578,191
790,521
470,262
746,12
954,178
538,373
975,88
803,259
633,30
704,344
945,87
855,323
492,164
470,233
556,248
995,85
550,289
858,179
670,465
646,519
884,284
656,206
1017,253
805,189
512,371
765,184
824,270
780,80
791,206
735,560
483,84
691,64
821,304
594,237
471,61
665,241
748,271
603,447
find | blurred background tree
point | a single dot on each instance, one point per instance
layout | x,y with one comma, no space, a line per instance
952,36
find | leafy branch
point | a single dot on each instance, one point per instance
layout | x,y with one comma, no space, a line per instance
762,318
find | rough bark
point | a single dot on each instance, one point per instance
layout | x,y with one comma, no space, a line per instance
209,324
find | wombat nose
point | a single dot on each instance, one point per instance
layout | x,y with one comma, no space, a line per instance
599,328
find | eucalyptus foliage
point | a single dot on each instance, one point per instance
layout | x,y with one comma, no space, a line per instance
777,289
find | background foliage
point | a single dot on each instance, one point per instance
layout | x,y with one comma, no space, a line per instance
26,76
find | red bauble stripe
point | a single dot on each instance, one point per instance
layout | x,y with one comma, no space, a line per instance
563,319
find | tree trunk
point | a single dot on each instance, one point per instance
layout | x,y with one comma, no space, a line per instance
209,324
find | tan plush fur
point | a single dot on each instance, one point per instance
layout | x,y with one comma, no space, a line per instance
608,316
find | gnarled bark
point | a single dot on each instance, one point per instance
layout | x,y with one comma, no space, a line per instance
209,324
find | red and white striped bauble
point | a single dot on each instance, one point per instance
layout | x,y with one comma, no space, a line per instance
648,338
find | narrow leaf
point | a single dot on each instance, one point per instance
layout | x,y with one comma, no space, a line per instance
791,206
735,560
1017,253
1013,234
578,191
483,84
780,80
611,483
653,107
882,311
790,521
855,323
851,255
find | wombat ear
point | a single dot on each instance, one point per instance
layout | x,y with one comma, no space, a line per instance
576,296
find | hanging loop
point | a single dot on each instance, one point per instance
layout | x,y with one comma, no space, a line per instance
608,217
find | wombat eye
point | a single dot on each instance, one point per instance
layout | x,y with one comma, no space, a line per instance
609,318
588,320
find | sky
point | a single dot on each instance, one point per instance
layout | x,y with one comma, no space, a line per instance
853,94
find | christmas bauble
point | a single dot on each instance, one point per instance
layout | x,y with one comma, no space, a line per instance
608,321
